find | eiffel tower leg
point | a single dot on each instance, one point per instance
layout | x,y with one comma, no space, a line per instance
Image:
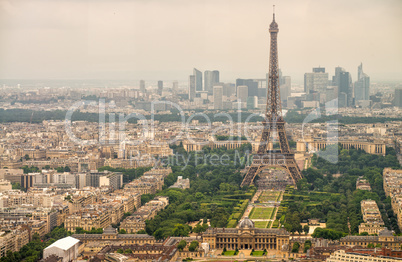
263,146
249,177
283,140
294,170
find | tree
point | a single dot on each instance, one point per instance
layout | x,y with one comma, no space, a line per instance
224,251
295,248
198,228
182,244
181,230
193,246
16,185
307,245
306,228
122,231
120,251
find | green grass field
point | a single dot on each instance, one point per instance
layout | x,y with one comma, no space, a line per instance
258,253
261,213
269,224
269,196
261,224
229,253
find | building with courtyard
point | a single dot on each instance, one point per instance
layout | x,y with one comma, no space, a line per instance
246,236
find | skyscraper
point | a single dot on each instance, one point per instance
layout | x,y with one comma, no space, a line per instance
198,80
362,85
345,86
210,78
191,88
250,83
142,86
218,96
242,93
343,81
317,82
285,87
252,102
160,87
398,97
336,77
175,86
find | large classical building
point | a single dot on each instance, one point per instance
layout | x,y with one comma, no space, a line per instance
310,144
110,236
246,236
385,238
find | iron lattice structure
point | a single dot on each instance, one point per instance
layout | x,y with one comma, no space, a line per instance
273,124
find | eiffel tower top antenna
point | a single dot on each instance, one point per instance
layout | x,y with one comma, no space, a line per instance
274,12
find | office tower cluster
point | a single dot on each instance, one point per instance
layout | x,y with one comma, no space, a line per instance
206,91
253,92
196,88
319,89
245,93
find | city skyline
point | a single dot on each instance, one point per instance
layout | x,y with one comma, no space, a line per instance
155,40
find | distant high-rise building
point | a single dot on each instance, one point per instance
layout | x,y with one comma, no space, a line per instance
337,76
210,79
198,80
285,87
345,87
242,93
160,87
252,102
362,85
218,96
191,88
343,81
317,81
175,86
142,86
398,97
229,89
252,85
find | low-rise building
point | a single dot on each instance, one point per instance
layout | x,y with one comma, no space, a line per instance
65,248
363,255
363,184
181,183
373,222
13,240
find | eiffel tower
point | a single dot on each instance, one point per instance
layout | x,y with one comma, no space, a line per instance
273,124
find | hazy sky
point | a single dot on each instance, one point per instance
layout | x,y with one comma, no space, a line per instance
165,39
